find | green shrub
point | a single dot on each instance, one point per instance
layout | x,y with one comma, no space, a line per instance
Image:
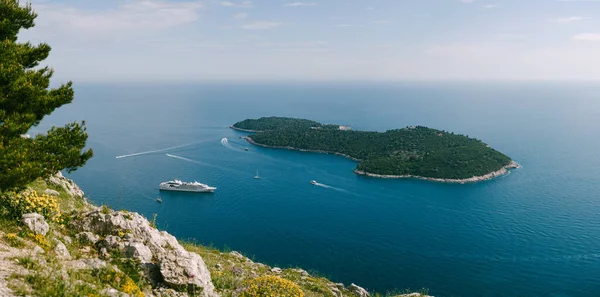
28,201
269,285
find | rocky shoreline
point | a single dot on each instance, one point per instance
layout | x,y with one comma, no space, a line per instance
503,171
244,130
251,141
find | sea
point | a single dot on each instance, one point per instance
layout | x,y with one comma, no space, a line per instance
533,232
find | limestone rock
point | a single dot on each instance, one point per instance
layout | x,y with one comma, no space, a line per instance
237,255
164,292
38,250
302,272
219,266
67,240
139,251
276,270
36,223
186,269
61,250
94,263
70,187
51,192
111,292
335,290
87,237
112,242
359,291
176,266
237,271
104,253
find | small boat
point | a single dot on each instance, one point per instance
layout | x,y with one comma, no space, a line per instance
256,176
158,200
314,182
246,149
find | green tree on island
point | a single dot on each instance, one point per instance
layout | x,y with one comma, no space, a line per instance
25,98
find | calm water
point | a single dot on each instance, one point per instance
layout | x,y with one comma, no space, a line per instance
535,232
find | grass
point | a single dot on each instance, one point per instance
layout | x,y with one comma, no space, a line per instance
53,279
27,262
8,225
65,201
132,268
50,280
13,240
235,271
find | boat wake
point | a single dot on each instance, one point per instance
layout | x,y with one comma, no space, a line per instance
225,143
330,187
186,159
205,164
155,151
236,146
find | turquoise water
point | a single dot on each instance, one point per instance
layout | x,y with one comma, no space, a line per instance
535,232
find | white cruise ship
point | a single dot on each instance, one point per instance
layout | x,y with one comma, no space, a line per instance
177,185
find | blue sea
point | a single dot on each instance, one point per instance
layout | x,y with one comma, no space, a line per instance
534,232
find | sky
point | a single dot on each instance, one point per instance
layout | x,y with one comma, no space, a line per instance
319,40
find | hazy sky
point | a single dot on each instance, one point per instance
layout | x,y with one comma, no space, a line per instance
142,40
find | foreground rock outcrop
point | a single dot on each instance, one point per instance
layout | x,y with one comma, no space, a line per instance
67,184
36,223
132,235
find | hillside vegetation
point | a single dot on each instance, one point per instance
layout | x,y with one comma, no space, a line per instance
416,151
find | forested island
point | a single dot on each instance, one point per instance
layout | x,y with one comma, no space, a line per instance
415,151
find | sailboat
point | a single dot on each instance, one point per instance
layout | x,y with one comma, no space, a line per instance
256,176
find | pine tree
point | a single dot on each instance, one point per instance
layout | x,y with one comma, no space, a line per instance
25,98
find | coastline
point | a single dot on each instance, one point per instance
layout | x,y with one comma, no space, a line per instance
251,141
244,130
501,172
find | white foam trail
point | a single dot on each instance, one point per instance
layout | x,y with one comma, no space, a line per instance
186,159
330,187
204,164
225,143
155,151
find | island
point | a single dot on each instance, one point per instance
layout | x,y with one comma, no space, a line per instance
411,152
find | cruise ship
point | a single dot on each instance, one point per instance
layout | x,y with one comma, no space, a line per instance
177,185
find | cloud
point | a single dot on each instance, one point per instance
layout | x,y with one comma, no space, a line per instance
306,44
243,4
386,22
343,26
132,15
587,37
385,46
261,25
467,1
240,16
490,6
370,8
569,19
299,4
